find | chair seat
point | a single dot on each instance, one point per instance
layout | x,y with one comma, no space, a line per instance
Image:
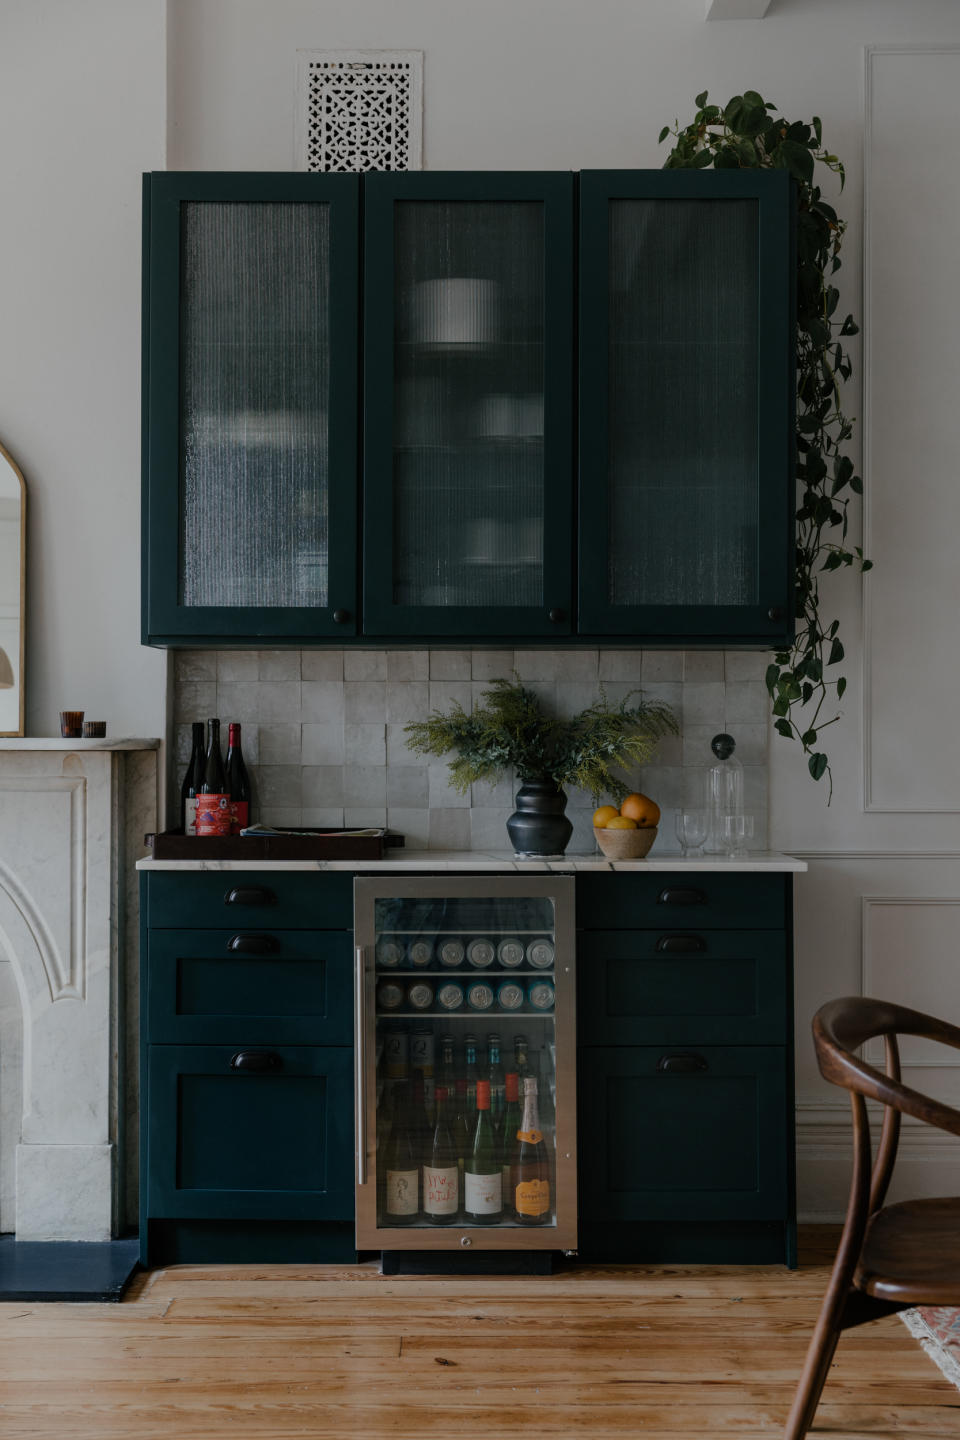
912,1253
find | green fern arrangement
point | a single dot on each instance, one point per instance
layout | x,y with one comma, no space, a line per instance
511,729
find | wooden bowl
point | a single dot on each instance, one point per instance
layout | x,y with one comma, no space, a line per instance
626,844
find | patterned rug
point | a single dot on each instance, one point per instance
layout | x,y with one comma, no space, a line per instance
937,1327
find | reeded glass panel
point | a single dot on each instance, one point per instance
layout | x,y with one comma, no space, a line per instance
683,408
466,1061
255,343
468,403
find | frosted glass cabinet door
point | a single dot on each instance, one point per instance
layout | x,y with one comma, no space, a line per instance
468,324
686,404
251,405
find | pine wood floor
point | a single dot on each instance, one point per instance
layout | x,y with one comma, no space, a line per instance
255,1353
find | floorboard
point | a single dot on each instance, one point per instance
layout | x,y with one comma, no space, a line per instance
271,1353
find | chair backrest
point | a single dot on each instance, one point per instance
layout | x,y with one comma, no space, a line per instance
841,1026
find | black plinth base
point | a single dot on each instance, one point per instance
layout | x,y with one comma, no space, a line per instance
473,1262
66,1270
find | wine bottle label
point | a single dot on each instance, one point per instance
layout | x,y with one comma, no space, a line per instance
483,1194
532,1137
441,1190
190,815
532,1197
402,1196
397,1050
213,814
239,815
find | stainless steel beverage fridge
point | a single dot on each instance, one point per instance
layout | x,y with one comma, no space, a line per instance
466,1063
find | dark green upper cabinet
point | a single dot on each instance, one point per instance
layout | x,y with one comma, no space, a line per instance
250,406
686,405
468,404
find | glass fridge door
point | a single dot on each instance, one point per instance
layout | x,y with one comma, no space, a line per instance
465,1064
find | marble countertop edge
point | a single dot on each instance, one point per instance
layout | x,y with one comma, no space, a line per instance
479,861
57,742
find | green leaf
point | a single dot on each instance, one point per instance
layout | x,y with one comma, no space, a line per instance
866,565
817,765
702,159
771,677
781,706
856,485
701,100
808,738
848,327
841,686
796,158
663,134
784,728
836,652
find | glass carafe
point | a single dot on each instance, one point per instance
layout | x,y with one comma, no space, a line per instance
724,792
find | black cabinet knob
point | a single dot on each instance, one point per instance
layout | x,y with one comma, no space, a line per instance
556,615
340,617
682,944
776,612
249,895
259,1061
681,897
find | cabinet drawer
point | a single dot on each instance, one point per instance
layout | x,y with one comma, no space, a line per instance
703,1144
711,987
249,898
287,986
703,900
275,1143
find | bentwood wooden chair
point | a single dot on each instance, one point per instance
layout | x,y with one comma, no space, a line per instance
889,1257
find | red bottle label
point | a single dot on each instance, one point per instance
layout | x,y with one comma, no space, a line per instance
240,815
213,814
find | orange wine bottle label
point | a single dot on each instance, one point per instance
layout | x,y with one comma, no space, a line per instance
532,1197
213,815
532,1137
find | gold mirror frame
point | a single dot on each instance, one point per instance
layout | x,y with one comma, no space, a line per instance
18,473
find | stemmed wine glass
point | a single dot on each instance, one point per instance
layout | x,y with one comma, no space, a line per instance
691,828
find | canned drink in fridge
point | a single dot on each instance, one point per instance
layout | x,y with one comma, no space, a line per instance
450,995
450,952
510,995
398,1053
480,953
540,953
510,953
540,994
420,953
480,996
420,995
389,953
389,995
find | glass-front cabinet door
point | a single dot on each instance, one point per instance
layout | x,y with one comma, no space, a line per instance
686,404
250,397
465,1064
468,326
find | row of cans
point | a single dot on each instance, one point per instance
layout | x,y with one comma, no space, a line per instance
510,953
451,995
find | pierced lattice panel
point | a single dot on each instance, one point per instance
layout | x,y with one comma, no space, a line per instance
359,109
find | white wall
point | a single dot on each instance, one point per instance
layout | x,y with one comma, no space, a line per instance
82,114
508,84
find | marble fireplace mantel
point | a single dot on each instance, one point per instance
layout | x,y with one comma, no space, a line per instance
72,818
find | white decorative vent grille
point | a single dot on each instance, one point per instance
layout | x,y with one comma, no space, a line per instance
359,109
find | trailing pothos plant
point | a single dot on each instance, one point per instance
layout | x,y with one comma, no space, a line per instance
747,133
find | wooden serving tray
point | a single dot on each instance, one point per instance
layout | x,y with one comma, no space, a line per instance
309,844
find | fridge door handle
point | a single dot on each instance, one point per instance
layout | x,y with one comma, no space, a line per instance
360,1088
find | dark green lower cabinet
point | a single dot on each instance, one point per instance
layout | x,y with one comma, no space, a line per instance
679,1146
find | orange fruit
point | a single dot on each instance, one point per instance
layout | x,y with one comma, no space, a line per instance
641,808
605,814
621,822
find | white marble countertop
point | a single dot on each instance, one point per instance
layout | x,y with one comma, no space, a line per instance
434,861
57,742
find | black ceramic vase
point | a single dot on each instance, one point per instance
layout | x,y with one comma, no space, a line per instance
539,826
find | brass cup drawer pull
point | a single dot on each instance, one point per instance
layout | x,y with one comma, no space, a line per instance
253,945
681,944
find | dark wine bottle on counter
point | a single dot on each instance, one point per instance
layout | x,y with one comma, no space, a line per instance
213,797
238,781
192,781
